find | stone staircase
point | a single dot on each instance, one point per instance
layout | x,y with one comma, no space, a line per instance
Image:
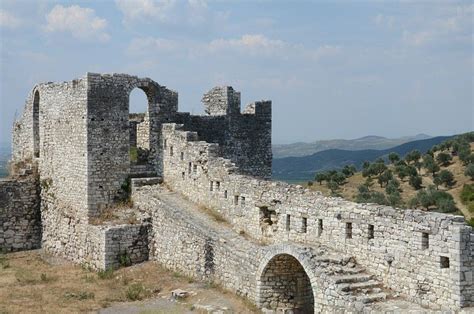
142,171
352,281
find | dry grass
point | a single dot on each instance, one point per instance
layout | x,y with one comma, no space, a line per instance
30,285
349,190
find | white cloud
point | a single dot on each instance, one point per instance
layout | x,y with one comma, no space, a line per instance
8,20
253,43
145,9
146,45
444,25
82,23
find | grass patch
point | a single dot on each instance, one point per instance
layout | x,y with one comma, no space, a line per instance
4,264
82,295
136,291
106,274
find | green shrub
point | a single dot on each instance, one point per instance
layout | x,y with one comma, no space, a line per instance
106,274
125,259
133,154
135,292
467,193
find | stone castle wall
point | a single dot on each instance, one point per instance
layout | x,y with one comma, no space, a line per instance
390,242
20,218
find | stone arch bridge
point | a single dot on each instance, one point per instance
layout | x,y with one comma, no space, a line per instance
281,277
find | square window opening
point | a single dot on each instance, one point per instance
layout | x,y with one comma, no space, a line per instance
444,262
425,240
304,224
348,230
370,232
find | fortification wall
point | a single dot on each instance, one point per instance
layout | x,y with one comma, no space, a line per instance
270,276
54,120
425,256
244,138
108,132
20,221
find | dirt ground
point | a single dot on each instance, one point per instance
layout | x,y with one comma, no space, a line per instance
33,283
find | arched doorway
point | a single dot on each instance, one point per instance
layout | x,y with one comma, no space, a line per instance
285,285
139,122
36,131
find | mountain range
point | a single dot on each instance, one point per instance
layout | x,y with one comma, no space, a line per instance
367,142
294,169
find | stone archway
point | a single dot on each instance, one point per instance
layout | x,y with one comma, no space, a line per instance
284,281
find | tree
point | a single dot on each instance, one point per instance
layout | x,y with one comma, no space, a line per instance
469,172
333,186
377,168
392,186
393,157
365,164
444,159
401,171
349,170
339,178
430,165
412,156
394,199
415,182
445,177
384,177
320,177
431,197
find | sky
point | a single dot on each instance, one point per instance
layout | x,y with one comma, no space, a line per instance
333,69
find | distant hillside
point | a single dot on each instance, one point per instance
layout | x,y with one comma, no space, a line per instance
363,143
304,168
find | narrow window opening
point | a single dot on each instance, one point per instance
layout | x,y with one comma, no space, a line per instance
225,194
236,200
304,224
425,240
218,185
370,232
320,227
164,143
189,168
348,230
183,174
211,186
288,221
242,200
444,262
195,168
171,150
182,156
36,135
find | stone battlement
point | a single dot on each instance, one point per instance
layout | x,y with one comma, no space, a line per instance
95,158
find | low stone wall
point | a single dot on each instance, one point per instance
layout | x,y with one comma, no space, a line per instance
125,245
20,219
425,256
96,246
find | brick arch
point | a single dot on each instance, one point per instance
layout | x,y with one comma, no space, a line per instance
285,280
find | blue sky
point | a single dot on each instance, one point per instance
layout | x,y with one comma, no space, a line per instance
333,69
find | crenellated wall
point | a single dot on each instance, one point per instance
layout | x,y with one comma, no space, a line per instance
390,242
